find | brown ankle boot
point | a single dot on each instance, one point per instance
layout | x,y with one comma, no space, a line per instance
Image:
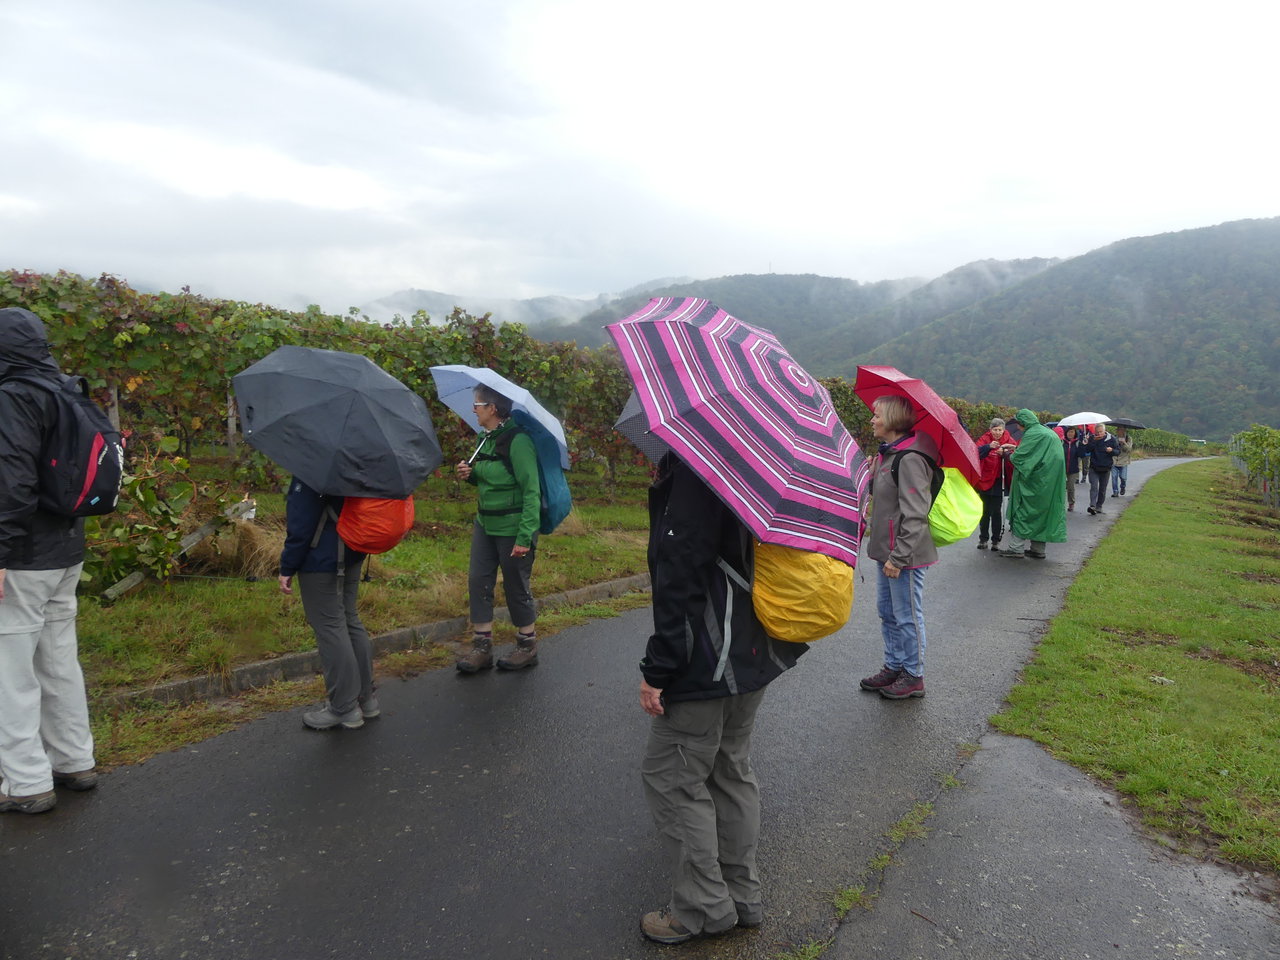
524,655
479,657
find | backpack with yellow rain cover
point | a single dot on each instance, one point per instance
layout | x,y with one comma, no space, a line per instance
800,596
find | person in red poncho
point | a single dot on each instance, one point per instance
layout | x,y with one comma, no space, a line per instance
994,448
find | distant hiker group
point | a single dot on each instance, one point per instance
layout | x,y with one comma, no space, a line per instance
759,508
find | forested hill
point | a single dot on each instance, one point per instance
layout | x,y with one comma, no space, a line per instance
1180,331
793,306
834,351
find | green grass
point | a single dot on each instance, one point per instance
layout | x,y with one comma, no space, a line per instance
1160,675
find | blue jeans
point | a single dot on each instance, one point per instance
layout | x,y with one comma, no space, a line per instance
1119,478
900,604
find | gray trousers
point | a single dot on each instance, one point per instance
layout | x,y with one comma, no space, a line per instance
346,653
705,801
488,554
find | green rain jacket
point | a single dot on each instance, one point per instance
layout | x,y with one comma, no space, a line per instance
1037,501
508,500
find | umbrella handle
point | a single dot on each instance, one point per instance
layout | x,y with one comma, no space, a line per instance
477,452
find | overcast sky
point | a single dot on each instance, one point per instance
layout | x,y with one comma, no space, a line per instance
334,152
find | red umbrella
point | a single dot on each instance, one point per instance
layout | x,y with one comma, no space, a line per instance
933,415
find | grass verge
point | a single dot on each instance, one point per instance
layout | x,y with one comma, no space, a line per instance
1160,675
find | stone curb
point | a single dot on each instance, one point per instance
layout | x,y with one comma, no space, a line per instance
293,666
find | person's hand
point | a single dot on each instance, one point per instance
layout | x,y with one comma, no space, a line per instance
2,571
464,469
286,584
650,699
518,551
891,571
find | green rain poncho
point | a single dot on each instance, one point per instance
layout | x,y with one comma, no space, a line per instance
1037,502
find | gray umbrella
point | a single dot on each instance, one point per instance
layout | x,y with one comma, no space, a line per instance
338,422
634,425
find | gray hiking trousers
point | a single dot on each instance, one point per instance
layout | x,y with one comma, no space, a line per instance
346,652
705,801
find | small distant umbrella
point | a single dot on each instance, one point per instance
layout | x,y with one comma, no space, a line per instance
749,421
338,422
1125,422
1085,418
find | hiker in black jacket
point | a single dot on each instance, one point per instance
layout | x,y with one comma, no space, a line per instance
44,714
1101,448
703,699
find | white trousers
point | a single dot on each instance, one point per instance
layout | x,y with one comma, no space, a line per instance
44,715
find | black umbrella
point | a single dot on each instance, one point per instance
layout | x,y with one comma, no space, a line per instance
338,422
634,425
1126,422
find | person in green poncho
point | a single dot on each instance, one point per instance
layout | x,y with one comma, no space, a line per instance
1037,500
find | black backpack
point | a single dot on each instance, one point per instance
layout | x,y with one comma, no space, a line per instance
935,480
81,463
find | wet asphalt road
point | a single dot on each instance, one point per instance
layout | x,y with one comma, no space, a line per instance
500,815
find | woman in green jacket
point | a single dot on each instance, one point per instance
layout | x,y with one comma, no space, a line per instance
504,470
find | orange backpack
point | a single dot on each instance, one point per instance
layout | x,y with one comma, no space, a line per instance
374,524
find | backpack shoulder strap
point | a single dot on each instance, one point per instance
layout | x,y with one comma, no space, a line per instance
936,478
327,513
502,448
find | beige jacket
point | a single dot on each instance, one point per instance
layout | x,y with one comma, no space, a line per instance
899,528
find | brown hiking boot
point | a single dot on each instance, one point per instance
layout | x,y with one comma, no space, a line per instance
33,803
661,926
524,655
479,657
79,780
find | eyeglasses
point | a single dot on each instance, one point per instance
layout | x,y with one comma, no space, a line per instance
477,406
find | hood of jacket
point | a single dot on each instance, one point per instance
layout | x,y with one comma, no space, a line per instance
24,344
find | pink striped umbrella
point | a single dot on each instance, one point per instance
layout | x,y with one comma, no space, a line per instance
732,403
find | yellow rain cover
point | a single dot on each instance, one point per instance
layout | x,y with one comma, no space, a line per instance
798,595
956,511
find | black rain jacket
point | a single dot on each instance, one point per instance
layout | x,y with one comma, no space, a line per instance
30,538
696,603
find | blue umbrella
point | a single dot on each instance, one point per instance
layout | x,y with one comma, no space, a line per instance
456,384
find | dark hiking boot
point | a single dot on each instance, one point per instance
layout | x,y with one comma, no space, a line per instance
660,926
905,686
881,680
524,655
80,780
35,803
479,657
749,914
982,544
